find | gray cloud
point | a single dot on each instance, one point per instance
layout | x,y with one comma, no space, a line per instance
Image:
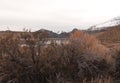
56,13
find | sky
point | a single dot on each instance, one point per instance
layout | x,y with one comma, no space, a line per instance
56,15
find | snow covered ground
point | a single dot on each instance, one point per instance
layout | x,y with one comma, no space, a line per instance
110,23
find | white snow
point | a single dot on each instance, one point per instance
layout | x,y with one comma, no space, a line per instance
110,23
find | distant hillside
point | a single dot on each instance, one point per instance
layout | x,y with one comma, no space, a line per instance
102,26
111,34
52,34
109,37
42,32
108,31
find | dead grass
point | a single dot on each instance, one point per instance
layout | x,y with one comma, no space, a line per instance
82,60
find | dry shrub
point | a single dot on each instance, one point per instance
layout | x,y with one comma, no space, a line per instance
95,55
20,65
37,63
89,45
117,55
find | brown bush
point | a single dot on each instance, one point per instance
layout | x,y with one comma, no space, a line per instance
81,58
89,45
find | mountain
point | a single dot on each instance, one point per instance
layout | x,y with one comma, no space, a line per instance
67,34
52,34
103,26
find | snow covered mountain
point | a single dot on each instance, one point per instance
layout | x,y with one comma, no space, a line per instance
114,22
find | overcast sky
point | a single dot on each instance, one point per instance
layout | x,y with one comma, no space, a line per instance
56,15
